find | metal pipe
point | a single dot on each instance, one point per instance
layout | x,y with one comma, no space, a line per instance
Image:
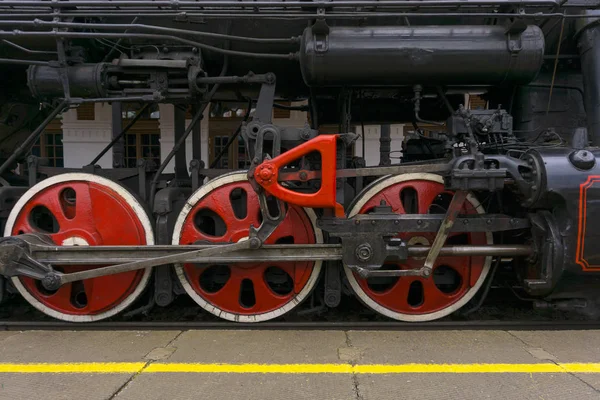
52,24
25,49
468,250
23,62
76,35
90,255
294,15
33,137
189,129
288,4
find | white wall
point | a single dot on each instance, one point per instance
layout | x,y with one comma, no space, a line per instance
371,136
167,136
83,140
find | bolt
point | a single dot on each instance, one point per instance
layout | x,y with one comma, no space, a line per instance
51,282
465,221
303,175
364,252
255,243
419,222
357,222
163,299
513,221
489,221
266,172
396,222
305,135
373,222
425,272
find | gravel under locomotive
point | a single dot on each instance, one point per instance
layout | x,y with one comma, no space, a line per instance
514,187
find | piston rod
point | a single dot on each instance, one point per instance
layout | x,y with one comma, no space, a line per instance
93,255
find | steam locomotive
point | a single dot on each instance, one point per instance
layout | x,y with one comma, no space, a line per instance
514,186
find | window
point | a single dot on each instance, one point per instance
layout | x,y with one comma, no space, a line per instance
221,128
477,102
141,145
50,145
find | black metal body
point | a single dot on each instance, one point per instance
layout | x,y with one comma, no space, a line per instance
535,63
446,55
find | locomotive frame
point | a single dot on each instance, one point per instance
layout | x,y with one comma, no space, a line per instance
302,178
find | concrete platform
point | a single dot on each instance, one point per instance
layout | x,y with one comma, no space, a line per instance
361,365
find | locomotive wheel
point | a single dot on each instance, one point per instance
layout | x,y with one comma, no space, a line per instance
78,209
222,212
454,280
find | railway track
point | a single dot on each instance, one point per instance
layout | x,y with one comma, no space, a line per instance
378,325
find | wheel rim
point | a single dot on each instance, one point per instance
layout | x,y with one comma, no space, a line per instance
222,212
455,280
82,209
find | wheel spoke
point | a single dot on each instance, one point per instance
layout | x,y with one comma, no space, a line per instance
433,298
248,296
266,298
426,195
397,295
229,295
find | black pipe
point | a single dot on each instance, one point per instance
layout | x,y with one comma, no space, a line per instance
385,140
183,137
292,15
78,35
589,49
23,62
33,137
120,135
133,26
288,4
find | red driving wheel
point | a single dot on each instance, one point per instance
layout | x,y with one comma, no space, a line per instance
80,209
454,280
222,212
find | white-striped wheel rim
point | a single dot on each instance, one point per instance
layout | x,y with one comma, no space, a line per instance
213,196
103,212
393,306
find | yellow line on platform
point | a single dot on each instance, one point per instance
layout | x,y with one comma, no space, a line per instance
140,367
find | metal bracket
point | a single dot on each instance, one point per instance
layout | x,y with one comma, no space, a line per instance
451,215
551,251
369,252
266,175
333,285
320,31
16,260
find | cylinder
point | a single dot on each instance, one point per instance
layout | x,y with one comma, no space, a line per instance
451,55
85,80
